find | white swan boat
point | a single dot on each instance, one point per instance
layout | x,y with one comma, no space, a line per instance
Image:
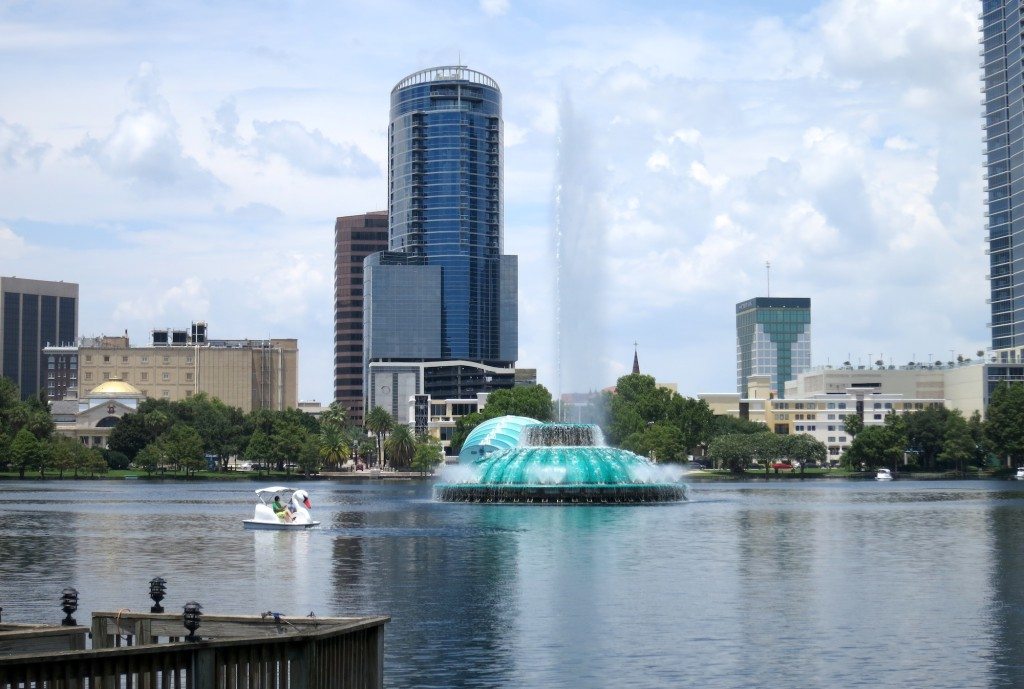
298,506
1020,474
883,475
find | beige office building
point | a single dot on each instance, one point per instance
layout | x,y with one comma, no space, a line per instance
249,374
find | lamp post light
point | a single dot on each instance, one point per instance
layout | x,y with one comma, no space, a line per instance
157,591
193,611
69,603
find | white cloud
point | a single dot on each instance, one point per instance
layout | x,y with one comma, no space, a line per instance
285,292
11,246
17,147
494,8
690,137
658,161
144,145
186,300
307,150
703,176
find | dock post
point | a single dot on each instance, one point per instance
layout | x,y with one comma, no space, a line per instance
204,669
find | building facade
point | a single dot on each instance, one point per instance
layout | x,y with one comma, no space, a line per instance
355,238
820,415
92,418
773,338
248,374
1004,139
34,314
444,291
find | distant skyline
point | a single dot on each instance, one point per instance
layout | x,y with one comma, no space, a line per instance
186,161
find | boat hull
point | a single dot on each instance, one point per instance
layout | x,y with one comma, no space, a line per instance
270,526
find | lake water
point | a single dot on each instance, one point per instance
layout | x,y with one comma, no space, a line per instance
787,584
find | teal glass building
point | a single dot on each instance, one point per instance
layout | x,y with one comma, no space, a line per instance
773,338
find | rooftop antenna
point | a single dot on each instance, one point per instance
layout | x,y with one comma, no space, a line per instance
768,277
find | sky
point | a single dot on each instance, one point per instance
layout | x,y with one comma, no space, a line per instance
186,161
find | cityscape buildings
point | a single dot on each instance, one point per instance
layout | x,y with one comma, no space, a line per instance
773,338
440,310
34,314
355,238
248,374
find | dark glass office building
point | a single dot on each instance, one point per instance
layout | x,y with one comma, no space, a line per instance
34,314
773,338
445,204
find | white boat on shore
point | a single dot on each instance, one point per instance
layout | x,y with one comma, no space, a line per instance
883,475
294,517
1020,474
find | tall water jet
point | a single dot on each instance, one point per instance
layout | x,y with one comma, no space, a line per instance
580,253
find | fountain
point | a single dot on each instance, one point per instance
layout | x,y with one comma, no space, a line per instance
557,463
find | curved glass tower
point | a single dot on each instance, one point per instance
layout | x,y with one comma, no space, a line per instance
445,205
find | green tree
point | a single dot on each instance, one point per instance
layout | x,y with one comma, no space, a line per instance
662,442
150,458
25,452
874,446
1004,428
380,423
727,425
308,458
959,447
5,450
333,444
532,401
400,446
804,448
731,451
427,456
95,464
767,448
130,435
853,424
260,451
926,431
63,454
183,447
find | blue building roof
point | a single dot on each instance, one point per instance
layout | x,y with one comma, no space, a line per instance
500,433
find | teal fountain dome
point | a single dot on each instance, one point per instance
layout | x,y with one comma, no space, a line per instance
519,460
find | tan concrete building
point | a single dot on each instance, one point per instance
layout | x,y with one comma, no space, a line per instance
249,374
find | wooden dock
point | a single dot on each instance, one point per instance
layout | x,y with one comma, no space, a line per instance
147,651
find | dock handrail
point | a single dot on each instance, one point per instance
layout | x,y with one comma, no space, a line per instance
237,652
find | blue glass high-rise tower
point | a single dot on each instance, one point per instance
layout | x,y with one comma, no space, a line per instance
1003,65
445,203
440,311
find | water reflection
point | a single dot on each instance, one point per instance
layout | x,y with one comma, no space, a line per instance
845,584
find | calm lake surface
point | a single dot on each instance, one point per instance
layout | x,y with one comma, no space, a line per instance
786,584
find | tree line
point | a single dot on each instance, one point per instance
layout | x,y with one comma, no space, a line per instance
28,442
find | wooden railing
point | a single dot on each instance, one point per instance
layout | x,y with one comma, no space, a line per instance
234,653
38,638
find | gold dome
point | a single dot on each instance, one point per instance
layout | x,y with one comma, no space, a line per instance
115,387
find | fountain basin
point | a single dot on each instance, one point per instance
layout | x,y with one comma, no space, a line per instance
576,470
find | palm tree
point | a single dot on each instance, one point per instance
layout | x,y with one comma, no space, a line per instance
400,446
379,422
333,444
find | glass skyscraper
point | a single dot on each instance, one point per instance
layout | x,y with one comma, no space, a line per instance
773,338
1004,148
440,315
445,203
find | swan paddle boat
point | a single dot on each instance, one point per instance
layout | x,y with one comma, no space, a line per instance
298,505
883,474
1020,474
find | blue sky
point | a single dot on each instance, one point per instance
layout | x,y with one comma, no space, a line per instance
186,161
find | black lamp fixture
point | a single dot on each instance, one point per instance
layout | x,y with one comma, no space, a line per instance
157,591
69,603
193,611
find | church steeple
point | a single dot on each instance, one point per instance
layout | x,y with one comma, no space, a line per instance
636,361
